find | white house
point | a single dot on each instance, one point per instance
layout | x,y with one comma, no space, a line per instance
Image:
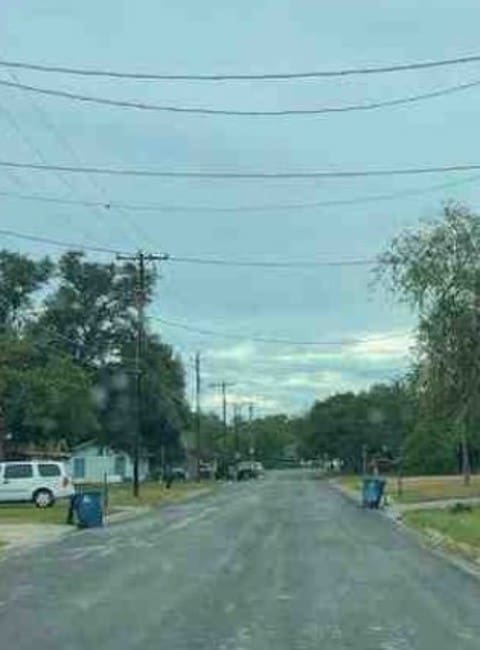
90,462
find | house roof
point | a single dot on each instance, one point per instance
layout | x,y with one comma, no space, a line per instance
85,445
94,443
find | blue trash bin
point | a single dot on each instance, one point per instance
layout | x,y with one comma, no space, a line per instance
89,509
373,489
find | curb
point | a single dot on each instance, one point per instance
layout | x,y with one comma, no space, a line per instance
345,492
423,540
439,550
127,514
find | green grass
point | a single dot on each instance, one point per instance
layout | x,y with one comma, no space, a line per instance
460,528
423,488
151,494
19,513
351,482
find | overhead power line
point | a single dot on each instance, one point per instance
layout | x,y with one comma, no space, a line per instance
68,245
37,152
97,207
242,208
244,76
60,243
271,340
172,108
292,175
270,264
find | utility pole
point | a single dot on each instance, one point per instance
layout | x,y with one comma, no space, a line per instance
223,387
139,259
250,429
197,412
364,460
236,424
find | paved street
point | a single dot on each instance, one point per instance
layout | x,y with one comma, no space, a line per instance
281,564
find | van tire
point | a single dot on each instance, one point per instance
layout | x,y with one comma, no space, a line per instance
43,498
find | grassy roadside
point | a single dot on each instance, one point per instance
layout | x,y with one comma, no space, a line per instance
151,494
27,513
423,488
457,531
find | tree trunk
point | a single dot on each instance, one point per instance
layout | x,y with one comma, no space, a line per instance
465,461
3,432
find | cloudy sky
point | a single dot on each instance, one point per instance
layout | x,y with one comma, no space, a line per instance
214,219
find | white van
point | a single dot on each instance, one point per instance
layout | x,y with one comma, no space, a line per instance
40,481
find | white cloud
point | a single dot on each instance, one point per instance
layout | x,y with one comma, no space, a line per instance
287,379
214,401
240,353
391,345
312,380
379,346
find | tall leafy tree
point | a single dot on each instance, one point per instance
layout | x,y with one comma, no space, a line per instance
20,279
92,310
437,270
46,398
163,409
378,419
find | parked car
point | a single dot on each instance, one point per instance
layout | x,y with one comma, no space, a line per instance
179,473
245,470
39,481
250,469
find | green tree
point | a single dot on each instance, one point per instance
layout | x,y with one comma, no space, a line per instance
164,411
46,398
437,270
274,440
92,311
341,425
20,279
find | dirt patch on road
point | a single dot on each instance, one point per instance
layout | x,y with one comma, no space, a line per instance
22,536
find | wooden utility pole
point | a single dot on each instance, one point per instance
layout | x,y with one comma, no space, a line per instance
236,425
250,429
364,459
139,259
3,435
197,413
223,387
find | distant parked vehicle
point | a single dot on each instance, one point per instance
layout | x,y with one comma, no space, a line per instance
41,482
179,473
207,470
249,469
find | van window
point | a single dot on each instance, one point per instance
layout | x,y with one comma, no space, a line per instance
22,470
49,469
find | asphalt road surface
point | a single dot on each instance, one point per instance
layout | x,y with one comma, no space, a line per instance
283,564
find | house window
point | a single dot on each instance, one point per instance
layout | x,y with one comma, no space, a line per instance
120,466
79,468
